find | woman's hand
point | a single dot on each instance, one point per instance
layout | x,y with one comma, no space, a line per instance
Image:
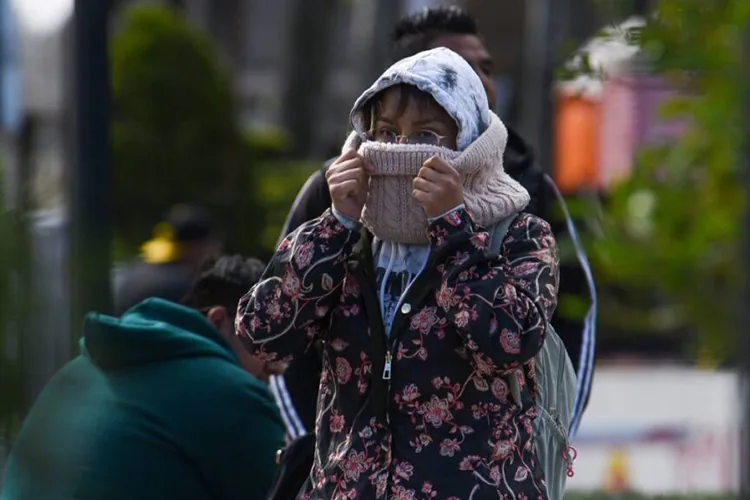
438,187
347,179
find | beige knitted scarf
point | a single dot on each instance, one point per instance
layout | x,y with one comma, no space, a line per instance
392,214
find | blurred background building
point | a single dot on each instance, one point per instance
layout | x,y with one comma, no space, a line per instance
264,43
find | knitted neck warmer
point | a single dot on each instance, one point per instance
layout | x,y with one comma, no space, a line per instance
392,214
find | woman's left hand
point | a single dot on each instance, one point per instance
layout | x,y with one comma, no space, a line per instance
438,187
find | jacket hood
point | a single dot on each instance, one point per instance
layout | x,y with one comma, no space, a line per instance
448,78
154,330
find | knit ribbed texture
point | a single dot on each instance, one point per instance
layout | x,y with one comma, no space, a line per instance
392,214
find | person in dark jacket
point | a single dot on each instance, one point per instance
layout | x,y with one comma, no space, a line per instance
422,327
170,260
157,406
454,28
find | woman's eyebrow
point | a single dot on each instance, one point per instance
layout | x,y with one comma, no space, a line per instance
429,121
418,123
385,119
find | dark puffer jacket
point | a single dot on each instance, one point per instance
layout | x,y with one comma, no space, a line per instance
438,423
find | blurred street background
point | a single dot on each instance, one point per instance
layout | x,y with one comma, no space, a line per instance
114,111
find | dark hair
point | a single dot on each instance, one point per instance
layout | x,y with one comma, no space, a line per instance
406,94
223,281
190,223
417,32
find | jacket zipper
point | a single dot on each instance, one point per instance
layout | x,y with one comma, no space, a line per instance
387,378
378,332
387,367
414,295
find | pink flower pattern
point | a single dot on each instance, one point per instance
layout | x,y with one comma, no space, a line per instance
453,431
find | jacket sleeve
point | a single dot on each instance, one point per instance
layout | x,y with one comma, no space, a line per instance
501,310
312,200
282,315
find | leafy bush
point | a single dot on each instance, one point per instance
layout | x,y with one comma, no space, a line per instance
175,139
268,185
174,130
672,230
277,185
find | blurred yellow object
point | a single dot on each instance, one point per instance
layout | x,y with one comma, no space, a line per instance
618,472
706,360
162,248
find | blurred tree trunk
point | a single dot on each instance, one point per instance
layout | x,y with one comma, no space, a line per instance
743,334
16,293
227,25
310,27
91,173
542,35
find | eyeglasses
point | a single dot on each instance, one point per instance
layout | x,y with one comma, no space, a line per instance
423,137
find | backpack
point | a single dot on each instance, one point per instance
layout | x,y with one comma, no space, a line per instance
555,397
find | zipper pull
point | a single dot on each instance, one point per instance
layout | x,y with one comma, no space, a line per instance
387,367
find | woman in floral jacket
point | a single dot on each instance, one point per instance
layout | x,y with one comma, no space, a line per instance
421,326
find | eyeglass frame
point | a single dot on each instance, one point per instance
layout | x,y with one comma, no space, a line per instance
440,138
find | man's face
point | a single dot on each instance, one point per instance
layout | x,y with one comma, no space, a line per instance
471,48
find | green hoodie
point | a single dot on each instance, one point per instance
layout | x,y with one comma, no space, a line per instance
156,407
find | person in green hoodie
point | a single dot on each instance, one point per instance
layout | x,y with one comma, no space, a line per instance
159,405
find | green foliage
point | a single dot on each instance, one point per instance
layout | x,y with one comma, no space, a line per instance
268,186
277,185
175,139
672,230
174,130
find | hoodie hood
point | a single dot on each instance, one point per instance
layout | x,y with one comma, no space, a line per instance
155,330
448,78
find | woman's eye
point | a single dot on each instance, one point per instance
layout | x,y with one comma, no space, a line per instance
385,135
426,137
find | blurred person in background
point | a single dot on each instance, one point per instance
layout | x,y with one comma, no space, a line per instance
453,28
160,404
170,260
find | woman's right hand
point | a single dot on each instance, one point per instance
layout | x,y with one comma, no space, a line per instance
347,179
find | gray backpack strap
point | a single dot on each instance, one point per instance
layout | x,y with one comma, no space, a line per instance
515,389
497,236
556,393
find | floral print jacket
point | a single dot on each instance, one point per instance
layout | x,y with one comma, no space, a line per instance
426,411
